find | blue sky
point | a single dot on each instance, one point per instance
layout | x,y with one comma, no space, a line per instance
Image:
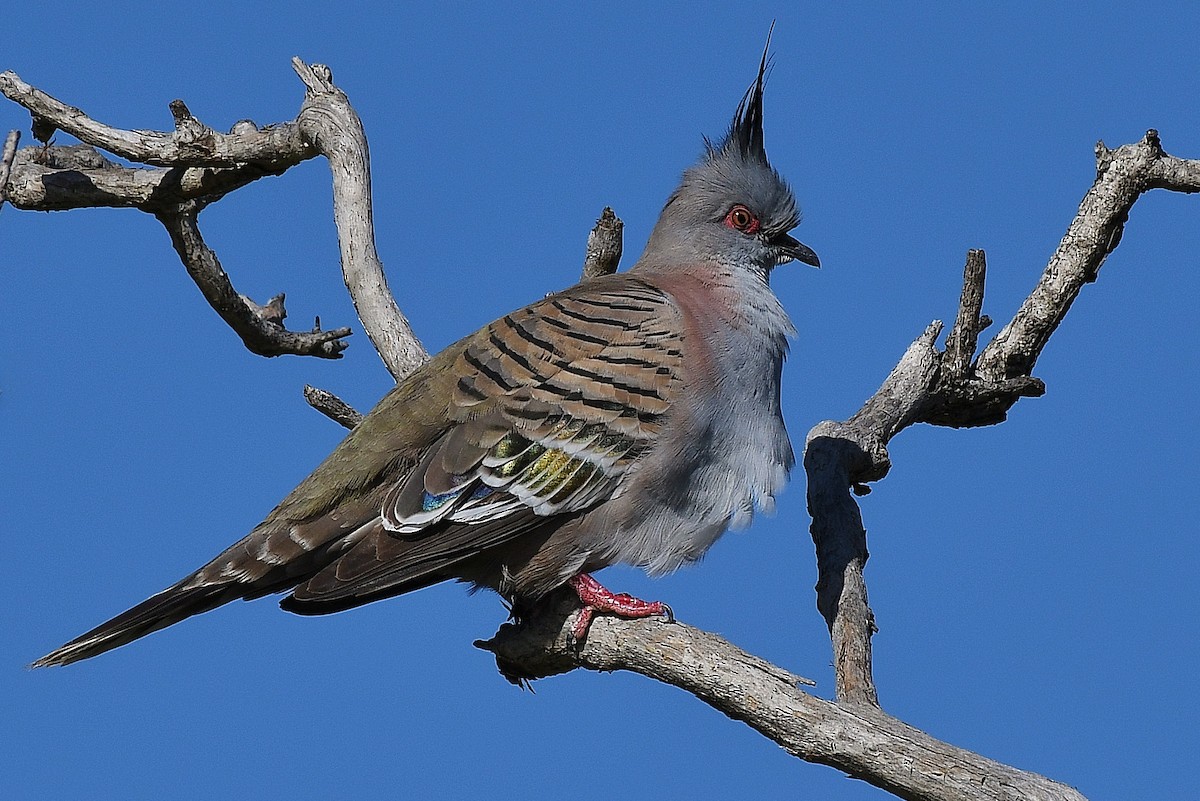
1033,582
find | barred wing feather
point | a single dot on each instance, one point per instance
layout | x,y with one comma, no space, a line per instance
553,405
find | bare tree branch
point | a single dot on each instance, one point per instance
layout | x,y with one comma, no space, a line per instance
1167,172
191,144
260,327
837,458
1122,175
331,124
203,166
964,336
860,740
6,162
332,407
197,167
78,176
941,389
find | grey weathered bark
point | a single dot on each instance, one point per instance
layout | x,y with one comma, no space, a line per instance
77,176
938,387
260,327
861,740
604,245
191,144
7,156
944,388
1122,175
332,407
329,121
195,166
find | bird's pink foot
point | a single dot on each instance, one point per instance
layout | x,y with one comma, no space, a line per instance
595,597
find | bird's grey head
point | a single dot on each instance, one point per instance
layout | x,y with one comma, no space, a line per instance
732,205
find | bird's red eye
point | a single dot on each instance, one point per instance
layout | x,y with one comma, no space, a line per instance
742,219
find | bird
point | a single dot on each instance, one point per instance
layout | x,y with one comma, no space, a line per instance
630,419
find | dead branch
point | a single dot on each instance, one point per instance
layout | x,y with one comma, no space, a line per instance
946,389
964,336
604,246
260,327
1122,175
195,166
332,407
837,458
6,161
78,176
331,124
860,740
191,144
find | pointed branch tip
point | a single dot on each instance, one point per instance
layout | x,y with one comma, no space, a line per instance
332,407
604,246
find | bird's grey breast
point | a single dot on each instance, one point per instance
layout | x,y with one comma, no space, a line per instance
724,450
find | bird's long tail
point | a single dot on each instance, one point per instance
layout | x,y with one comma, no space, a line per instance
273,558
164,609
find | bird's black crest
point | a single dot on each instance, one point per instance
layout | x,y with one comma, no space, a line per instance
745,135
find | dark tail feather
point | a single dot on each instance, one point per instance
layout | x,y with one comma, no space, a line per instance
168,607
274,557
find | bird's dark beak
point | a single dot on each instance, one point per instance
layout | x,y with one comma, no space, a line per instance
790,249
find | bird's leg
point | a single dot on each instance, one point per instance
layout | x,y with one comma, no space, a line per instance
595,597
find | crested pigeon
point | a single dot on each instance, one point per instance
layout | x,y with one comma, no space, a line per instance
632,418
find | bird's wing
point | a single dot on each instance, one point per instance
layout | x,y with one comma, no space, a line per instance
539,414
552,406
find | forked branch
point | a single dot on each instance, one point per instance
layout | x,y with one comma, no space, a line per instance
948,388
194,166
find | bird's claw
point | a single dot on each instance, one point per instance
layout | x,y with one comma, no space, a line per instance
597,598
